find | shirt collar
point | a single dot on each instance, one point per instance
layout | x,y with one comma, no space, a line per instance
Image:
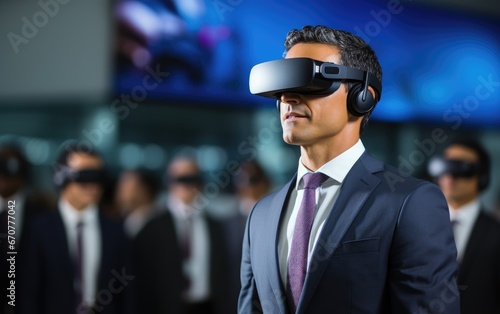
468,211
337,168
181,210
72,216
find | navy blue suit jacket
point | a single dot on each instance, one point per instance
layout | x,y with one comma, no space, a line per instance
479,271
46,270
386,247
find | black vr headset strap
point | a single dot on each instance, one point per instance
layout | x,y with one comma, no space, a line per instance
365,88
340,72
359,102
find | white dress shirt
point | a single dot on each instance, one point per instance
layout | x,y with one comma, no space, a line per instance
91,243
326,195
197,266
465,218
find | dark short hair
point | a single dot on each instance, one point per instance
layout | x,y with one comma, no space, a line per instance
149,181
73,147
354,51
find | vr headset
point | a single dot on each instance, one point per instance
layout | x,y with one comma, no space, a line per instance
305,76
312,77
187,179
456,168
65,175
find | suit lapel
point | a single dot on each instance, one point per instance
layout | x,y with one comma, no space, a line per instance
276,210
107,251
473,245
60,241
356,188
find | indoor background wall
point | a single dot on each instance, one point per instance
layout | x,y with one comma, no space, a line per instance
57,84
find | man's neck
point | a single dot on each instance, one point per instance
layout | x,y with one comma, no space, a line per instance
459,203
143,206
76,205
314,156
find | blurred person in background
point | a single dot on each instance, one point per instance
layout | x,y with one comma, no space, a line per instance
15,186
181,255
135,197
252,184
15,195
74,260
463,172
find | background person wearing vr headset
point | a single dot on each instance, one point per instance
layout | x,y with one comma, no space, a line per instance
463,173
72,257
182,254
26,204
339,238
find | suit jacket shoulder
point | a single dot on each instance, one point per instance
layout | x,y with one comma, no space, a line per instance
44,261
479,271
385,247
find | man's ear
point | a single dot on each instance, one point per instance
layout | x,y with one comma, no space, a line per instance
372,91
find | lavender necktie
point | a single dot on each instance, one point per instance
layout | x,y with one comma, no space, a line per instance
297,261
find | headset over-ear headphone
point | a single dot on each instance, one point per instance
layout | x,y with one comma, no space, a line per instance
312,77
359,99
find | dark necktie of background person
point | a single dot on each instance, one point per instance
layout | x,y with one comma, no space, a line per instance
79,275
297,261
187,246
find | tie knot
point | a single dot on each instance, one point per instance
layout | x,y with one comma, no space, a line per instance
312,180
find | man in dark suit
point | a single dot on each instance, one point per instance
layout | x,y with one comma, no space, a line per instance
347,234
15,185
74,260
181,255
135,197
463,173
18,205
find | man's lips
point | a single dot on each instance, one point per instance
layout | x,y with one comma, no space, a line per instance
289,116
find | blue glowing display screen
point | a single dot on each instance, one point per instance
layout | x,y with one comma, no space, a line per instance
440,66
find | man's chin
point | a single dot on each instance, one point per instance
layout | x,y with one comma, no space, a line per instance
292,139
